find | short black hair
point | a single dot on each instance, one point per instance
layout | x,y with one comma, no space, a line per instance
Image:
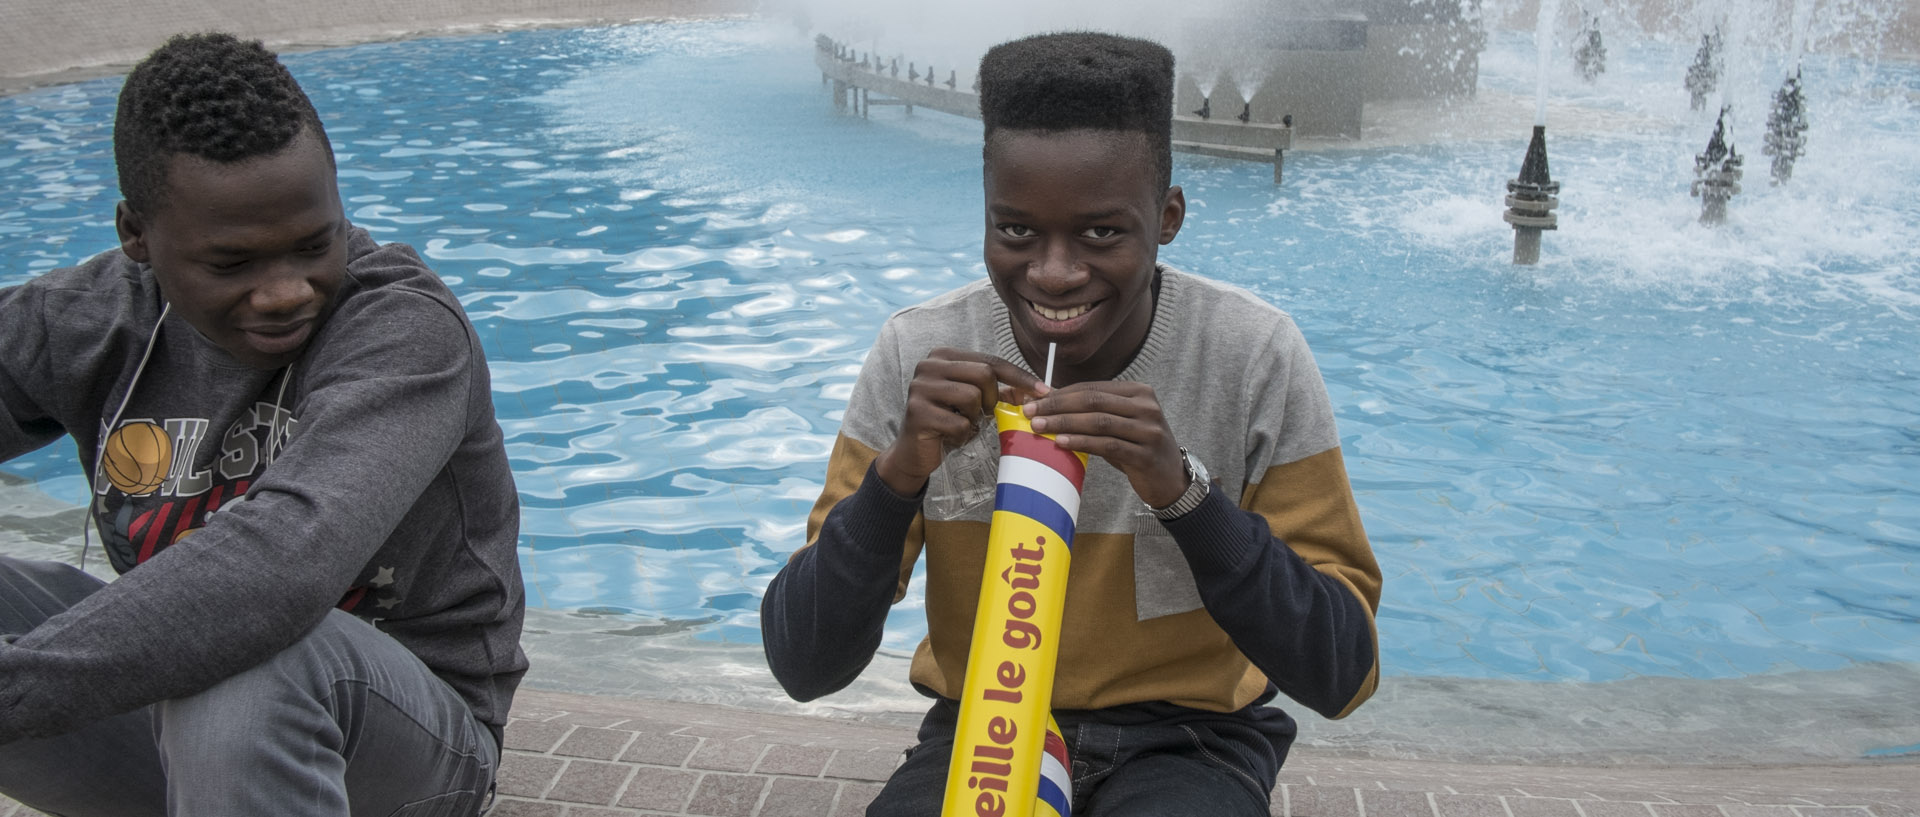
1082,80
212,96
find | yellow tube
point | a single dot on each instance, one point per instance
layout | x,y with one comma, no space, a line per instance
1004,708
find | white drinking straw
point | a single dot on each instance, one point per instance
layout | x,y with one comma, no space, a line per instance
1049,378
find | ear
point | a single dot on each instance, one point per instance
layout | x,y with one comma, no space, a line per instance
133,232
1173,214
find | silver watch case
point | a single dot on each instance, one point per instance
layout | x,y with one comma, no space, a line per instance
1198,484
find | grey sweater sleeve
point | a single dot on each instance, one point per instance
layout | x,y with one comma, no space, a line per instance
38,367
383,405
24,424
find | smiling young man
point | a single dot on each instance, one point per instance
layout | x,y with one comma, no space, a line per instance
296,471
1219,559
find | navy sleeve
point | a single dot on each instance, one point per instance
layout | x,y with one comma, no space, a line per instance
822,617
1304,629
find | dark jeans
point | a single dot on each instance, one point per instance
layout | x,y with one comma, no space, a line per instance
1155,759
345,721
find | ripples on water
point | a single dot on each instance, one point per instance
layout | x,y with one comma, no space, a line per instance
1666,451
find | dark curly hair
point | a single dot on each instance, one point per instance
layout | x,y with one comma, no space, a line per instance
213,96
1080,80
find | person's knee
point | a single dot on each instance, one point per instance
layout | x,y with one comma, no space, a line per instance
293,692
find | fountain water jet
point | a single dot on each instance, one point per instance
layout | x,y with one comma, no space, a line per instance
1703,76
1533,195
1716,173
1786,139
1591,57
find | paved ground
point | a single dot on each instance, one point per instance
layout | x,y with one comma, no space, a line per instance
589,756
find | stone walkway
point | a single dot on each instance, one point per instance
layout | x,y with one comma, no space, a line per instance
589,756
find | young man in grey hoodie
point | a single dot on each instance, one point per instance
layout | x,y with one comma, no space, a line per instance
296,471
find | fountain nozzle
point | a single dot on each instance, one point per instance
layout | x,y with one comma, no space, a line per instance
1246,113
1531,199
1205,111
1716,174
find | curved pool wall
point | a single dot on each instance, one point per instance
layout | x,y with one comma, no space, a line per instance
1655,497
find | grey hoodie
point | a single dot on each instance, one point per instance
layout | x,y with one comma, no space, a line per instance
240,504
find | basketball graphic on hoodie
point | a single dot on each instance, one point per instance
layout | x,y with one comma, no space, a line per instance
137,457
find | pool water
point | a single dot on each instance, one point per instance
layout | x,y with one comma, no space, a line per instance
1666,451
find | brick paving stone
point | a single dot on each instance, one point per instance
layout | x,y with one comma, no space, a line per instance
1623,796
660,749
1606,808
659,789
1395,804
594,742
534,736
1701,798
1757,811
1406,784
726,755
798,761
524,775
727,795
1541,807
591,719
1480,787
1694,810
716,732
1467,805
1809,811
877,765
1321,801
586,811
523,808
1341,780
1558,791
854,799
799,798
1892,810
588,781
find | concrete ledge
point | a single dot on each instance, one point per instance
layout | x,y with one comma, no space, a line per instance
48,41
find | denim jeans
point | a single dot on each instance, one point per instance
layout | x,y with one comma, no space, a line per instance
344,722
1174,763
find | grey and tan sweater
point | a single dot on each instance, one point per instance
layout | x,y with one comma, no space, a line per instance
1271,581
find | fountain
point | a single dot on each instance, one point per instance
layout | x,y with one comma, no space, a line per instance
1531,199
1662,478
1703,76
1533,195
1716,173
1786,139
1591,57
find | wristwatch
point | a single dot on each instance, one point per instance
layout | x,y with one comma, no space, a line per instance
1197,488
